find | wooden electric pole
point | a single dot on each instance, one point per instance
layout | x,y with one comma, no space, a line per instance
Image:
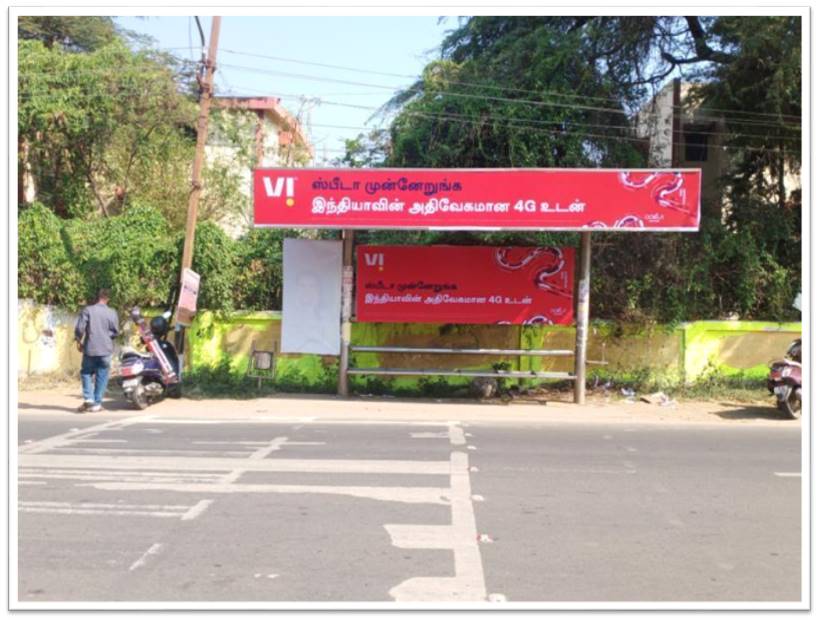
206,85
201,139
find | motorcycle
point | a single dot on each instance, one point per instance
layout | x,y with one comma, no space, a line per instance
146,378
784,381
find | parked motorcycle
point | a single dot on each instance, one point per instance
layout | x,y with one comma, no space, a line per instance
784,381
146,378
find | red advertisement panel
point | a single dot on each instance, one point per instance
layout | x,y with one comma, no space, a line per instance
465,284
478,199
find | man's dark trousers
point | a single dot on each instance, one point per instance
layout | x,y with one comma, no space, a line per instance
94,375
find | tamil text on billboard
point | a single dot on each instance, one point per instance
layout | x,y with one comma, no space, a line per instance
465,284
478,199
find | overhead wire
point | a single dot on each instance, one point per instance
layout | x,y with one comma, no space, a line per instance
527,102
480,85
444,93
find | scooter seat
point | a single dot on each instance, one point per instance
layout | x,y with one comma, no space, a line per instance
126,353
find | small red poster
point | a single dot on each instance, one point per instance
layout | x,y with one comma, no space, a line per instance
465,284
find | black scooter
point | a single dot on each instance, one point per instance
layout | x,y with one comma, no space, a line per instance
146,378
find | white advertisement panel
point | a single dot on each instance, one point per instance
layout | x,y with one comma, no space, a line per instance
311,321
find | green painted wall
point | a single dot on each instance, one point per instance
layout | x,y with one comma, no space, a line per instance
659,355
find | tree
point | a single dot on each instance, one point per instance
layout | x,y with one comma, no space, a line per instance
78,34
94,124
562,91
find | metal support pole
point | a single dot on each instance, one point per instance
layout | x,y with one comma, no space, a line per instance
347,283
583,304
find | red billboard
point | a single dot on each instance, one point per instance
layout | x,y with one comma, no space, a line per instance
465,284
478,199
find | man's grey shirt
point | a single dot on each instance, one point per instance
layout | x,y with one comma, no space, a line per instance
97,327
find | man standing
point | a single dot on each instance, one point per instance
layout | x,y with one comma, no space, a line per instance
95,331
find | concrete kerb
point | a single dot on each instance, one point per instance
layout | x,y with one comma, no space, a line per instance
289,408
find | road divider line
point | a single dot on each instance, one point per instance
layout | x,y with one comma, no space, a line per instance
197,510
461,537
788,474
153,550
406,495
64,439
141,463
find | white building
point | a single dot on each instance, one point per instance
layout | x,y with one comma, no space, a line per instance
253,132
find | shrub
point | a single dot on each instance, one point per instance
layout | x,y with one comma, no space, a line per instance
45,272
132,254
215,260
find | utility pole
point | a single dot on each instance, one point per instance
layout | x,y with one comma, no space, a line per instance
206,85
201,139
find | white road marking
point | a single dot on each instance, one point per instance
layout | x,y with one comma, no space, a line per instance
485,538
30,482
181,507
197,510
231,443
478,498
67,438
117,475
497,598
428,435
76,441
341,466
146,451
260,453
468,584
629,449
96,511
408,495
471,447
788,474
173,511
456,435
154,550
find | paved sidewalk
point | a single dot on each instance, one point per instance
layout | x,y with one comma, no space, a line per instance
289,407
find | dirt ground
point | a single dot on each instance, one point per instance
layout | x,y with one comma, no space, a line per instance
542,406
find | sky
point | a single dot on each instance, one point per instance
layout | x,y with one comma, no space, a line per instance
256,58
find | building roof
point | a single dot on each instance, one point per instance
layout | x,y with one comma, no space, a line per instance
271,106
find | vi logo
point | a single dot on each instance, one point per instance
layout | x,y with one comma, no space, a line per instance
374,259
285,185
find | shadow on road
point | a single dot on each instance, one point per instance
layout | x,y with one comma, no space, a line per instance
752,412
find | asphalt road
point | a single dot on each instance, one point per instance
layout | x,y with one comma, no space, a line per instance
161,509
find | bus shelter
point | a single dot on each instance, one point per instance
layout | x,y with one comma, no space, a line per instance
455,284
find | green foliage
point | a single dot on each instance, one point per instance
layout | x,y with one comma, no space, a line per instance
215,259
132,254
45,272
97,128
259,279
561,91
78,34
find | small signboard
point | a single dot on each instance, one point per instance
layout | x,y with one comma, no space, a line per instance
186,309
